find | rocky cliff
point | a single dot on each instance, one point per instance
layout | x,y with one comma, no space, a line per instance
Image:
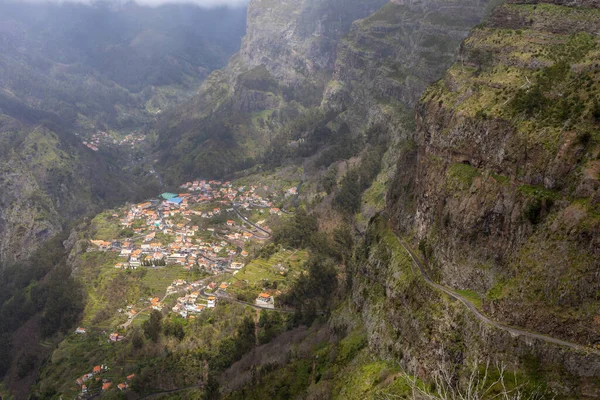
297,41
47,180
285,62
383,66
388,59
433,336
502,188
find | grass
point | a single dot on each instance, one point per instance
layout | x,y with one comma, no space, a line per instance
498,291
365,378
537,192
472,297
350,346
374,196
400,257
114,288
105,226
461,175
502,179
260,273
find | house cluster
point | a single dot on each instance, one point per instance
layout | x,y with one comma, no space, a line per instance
192,302
164,234
124,385
291,192
246,196
97,139
101,138
94,375
115,337
131,140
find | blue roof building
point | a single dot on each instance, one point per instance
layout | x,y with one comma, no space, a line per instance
175,200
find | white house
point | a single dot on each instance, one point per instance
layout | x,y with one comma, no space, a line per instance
212,301
265,300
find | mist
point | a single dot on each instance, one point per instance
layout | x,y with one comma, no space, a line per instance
152,3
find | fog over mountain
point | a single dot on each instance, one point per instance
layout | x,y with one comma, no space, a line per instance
96,68
154,3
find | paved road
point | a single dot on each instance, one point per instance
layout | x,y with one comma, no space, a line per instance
482,317
220,295
246,220
153,395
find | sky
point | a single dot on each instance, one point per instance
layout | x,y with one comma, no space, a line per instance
153,3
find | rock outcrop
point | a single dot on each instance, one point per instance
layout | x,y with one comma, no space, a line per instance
431,335
47,180
286,59
503,188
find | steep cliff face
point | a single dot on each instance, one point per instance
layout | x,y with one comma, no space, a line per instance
388,59
296,40
502,189
47,180
383,66
286,59
430,335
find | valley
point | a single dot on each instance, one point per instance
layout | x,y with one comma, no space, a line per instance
360,200
182,253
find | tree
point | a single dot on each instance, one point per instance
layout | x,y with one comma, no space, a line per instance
211,390
137,340
299,232
153,326
174,328
348,198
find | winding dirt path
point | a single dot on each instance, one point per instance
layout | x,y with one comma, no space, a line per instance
514,331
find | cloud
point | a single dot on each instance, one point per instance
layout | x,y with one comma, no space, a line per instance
201,3
154,3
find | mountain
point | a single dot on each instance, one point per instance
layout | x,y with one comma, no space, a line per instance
504,177
48,178
100,55
500,190
490,172
70,72
286,59
300,69
414,184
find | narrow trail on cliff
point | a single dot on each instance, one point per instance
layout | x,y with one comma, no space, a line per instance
514,331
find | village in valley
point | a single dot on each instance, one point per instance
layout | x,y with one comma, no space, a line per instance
204,238
100,139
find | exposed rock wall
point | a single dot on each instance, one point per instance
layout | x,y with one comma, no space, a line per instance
47,181
428,333
504,189
297,40
286,59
